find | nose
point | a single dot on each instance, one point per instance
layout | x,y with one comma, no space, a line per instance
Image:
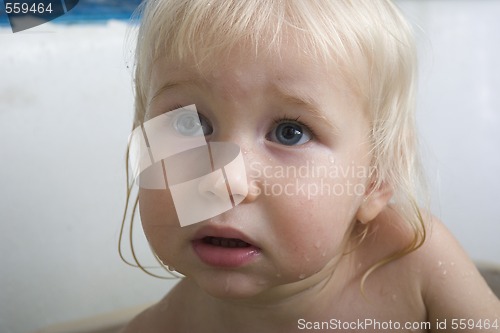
228,177
222,185
213,185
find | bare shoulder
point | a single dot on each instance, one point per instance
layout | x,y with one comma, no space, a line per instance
439,277
453,288
146,321
160,317
137,324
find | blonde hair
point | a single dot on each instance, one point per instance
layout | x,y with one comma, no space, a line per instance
368,40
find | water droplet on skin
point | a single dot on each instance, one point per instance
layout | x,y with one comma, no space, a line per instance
445,272
394,297
317,244
302,276
278,275
331,159
452,264
323,254
440,263
306,258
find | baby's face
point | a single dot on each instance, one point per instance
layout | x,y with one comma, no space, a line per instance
304,140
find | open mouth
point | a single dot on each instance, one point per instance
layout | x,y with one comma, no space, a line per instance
225,242
224,247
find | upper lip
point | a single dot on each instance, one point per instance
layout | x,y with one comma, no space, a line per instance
222,232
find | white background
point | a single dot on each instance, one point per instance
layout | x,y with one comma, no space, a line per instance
65,114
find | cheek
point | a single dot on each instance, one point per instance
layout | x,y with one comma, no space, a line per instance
156,208
159,221
309,233
312,222
317,221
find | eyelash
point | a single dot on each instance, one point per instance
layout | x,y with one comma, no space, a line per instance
175,107
285,118
276,121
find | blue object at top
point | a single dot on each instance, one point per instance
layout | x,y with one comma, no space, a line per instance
89,11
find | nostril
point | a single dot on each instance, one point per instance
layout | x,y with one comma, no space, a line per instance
238,198
213,185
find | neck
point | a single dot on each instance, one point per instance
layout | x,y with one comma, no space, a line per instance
281,307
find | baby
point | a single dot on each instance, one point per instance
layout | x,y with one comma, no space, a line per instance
276,157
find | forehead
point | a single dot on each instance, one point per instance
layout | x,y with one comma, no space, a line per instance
242,67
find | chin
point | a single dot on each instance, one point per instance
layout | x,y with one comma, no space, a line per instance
232,285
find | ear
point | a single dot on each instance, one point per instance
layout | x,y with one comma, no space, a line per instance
376,199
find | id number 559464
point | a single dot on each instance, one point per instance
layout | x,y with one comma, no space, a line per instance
26,8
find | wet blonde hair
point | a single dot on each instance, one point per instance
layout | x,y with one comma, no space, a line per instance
369,41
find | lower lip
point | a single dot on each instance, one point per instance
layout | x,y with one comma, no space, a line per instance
223,256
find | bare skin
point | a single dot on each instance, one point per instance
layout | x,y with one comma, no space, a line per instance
421,287
300,271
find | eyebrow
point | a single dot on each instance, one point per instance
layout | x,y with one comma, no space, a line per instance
173,84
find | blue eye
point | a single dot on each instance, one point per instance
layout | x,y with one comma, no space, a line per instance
192,124
290,133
